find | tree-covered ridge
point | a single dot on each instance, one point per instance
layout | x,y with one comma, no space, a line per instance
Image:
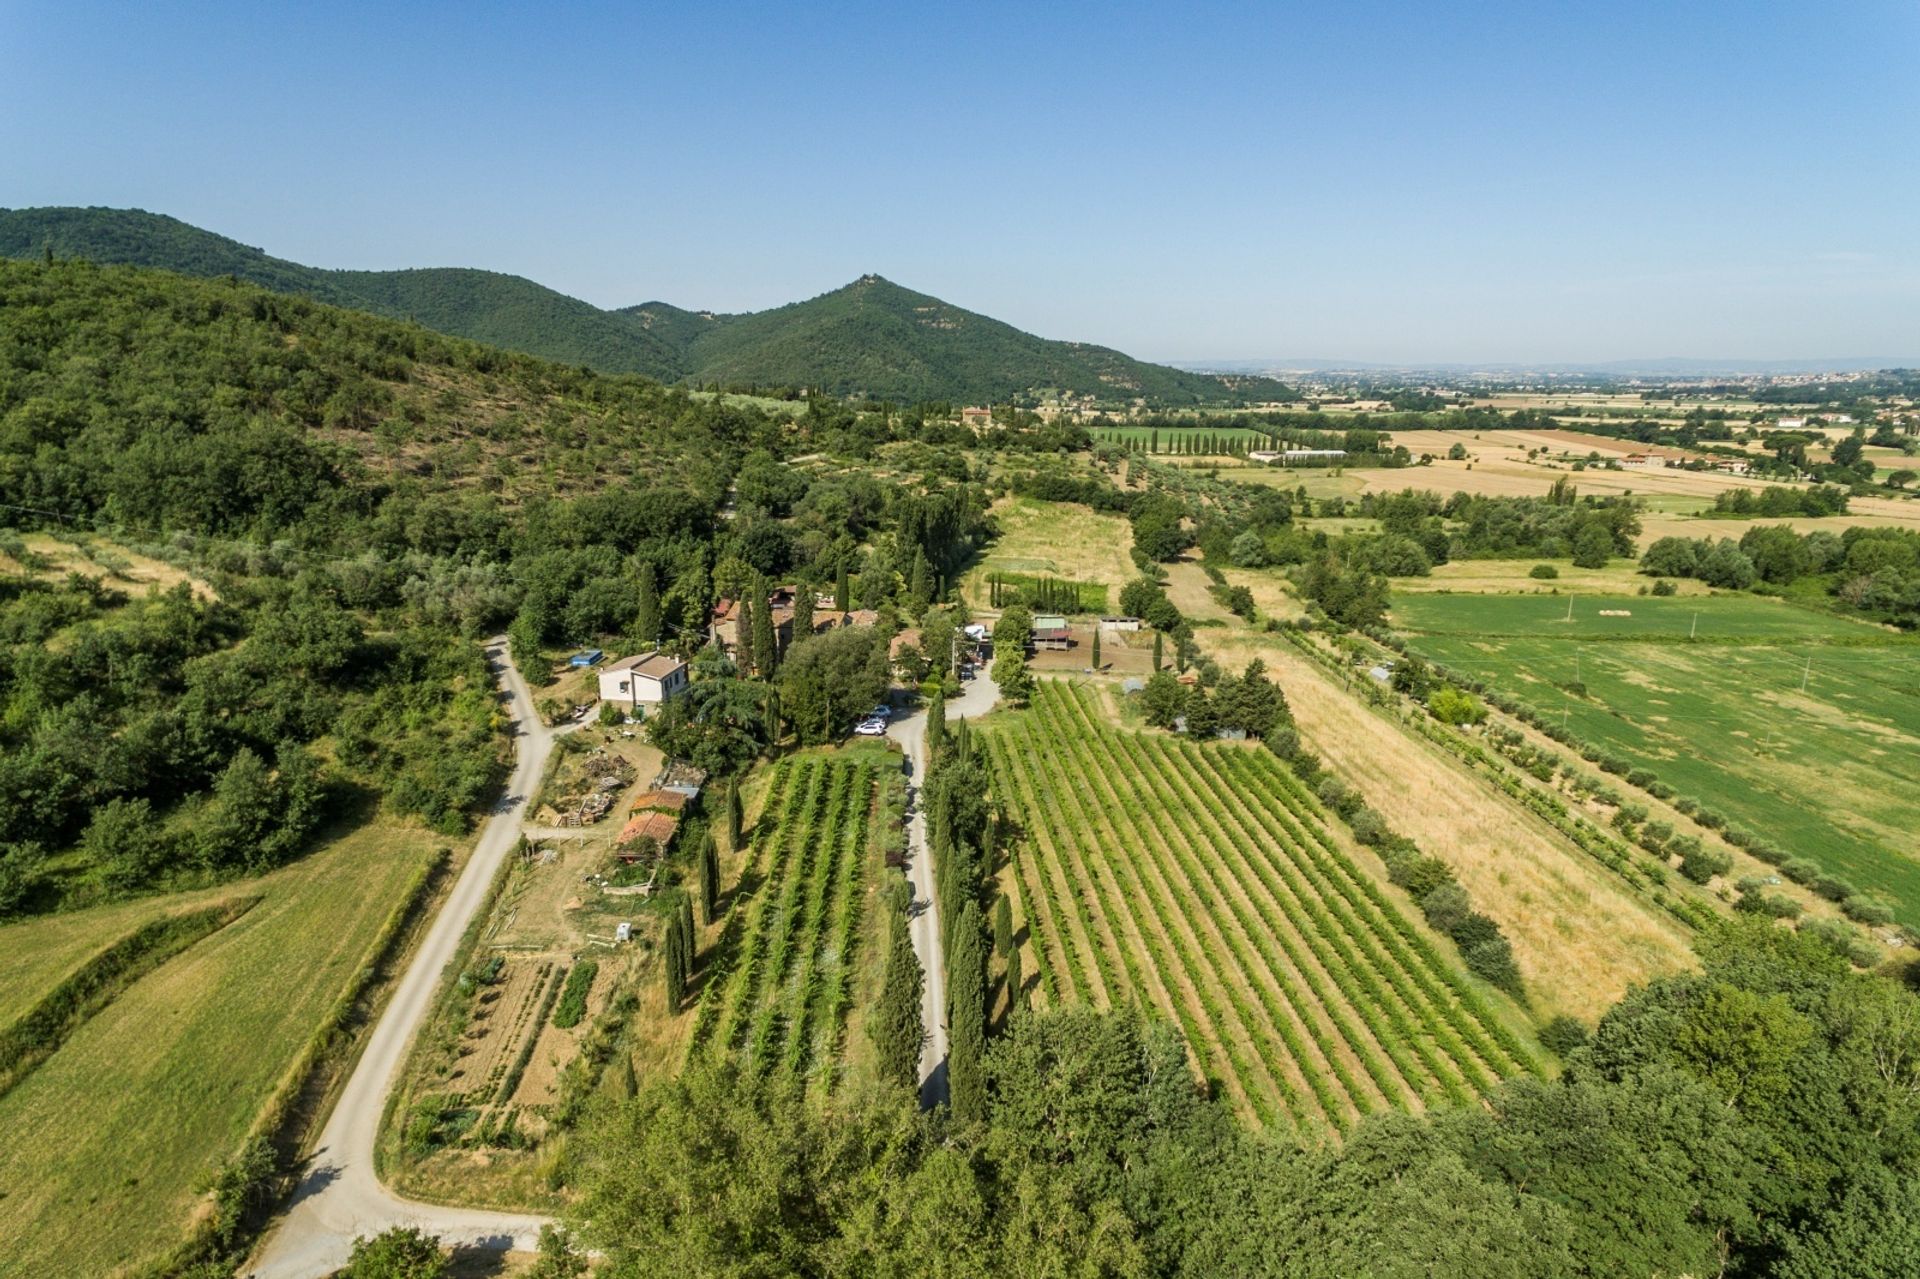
160,402
870,338
486,306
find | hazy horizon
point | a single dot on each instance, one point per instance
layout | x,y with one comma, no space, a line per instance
1386,183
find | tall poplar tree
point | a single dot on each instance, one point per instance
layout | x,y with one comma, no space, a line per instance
842,590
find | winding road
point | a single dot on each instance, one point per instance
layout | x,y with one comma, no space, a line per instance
977,697
340,1197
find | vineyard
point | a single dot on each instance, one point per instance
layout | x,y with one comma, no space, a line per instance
778,996
1200,880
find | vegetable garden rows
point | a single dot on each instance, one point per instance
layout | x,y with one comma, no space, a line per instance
781,1006
1199,879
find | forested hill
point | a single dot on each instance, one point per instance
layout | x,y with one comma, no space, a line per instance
870,338
504,310
153,401
876,338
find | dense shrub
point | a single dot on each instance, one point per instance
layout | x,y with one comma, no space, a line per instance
1867,910
1562,1034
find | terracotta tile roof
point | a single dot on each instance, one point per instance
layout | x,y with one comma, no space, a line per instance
657,826
671,801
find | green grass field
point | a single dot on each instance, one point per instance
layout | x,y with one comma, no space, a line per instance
101,1146
1800,727
1200,880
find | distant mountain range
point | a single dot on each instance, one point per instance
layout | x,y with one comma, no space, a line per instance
1663,366
871,337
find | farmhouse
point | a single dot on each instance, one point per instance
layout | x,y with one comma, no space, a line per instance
1646,462
1050,631
976,418
647,679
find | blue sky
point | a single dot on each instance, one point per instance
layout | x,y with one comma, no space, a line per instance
1395,182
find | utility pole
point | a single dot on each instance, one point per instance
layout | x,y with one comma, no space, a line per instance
1806,672
1569,608
1695,628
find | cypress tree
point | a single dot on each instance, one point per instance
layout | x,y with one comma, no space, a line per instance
735,815
1159,643
803,612
710,879
967,1019
646,620
1096,646
1016,984
743,631
936,725
1003,926
842,594
920,583
765,649
689,941
895,1027
675,957
962,741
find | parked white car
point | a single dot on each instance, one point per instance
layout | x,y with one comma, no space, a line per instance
871,728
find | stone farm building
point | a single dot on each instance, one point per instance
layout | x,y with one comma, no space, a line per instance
646,679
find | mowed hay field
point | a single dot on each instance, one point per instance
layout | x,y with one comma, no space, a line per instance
1830,772
1200,880
1052,539
101,1146
788,966
1580,936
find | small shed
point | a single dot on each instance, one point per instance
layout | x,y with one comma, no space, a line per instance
1050,631
1119,623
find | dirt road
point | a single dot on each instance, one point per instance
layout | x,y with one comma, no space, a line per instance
340,1197
976,699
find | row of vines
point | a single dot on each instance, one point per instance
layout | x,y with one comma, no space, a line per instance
779,999
1200,880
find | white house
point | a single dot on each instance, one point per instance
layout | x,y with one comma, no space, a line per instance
647,679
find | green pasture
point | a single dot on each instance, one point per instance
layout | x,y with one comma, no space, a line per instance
1800,727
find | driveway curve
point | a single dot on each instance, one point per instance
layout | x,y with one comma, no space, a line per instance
340,1197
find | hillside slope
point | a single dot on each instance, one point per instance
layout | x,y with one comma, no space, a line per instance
871,337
